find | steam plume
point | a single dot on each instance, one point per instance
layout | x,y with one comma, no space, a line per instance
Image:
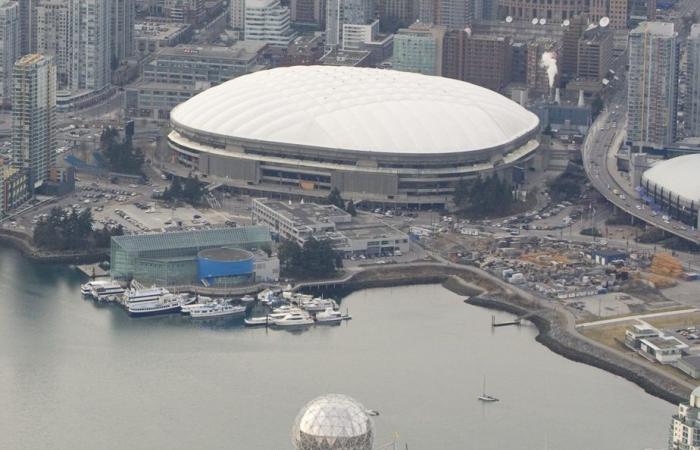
549,62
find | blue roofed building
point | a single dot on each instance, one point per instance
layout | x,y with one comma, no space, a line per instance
173,259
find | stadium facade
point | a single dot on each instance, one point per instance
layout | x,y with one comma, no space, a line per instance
218,257
377,135
672,186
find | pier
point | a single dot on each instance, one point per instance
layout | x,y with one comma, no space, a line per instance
516,321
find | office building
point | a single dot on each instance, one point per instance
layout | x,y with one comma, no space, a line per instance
300,222
404,12
641,11
15,187
652,93
151,36
308,12
551,11
615,10
419,49
34,115
9,47
692,103
175,74
594,55
487,60
268,21
685,425
77,34
122,18
341,12
189,257
451,14
570,44
191,12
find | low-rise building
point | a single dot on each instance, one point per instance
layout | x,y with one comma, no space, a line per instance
15,188
664,349
639,331
303,221
690,365
151,36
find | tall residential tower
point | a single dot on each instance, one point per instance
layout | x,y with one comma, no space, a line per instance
652,91
9,47
34,115
692,103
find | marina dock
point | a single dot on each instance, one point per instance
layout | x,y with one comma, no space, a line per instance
92,270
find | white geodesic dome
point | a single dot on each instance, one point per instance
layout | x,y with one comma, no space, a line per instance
333,422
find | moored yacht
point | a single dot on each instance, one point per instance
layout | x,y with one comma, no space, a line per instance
294,320
217,310
165,304
86,288
330,317
318,304
134,296
107,291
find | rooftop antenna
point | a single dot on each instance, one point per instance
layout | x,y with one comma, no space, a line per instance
566,23
509,19
604,22
543,21
534,21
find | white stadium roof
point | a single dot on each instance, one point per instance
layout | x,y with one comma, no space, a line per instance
361,109
678,175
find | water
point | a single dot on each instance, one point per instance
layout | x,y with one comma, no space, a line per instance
81,376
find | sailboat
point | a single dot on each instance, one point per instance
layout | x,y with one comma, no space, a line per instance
484,397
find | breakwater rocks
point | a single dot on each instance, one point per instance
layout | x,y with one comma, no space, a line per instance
553,334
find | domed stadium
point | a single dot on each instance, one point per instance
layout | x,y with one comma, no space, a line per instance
376,135
333,422
672,186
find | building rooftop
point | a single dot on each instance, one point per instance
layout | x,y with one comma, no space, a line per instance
239,50
357,109
158,30
662,343
678,175
308,214
695,30
656,28
192,239
379,231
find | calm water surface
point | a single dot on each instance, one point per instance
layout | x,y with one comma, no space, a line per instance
74,375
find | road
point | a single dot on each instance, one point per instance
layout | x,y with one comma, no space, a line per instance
599,156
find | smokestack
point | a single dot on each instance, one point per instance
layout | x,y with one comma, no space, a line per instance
557,96
581,103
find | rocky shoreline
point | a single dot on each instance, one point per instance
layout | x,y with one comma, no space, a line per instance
553,332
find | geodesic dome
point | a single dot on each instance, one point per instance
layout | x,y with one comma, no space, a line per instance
333,422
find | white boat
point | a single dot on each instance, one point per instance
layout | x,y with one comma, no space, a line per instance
86,289
484,397
134,296
217,310
330,317
318,304
258,321
247,299
285,309
294,320
166,304
105,291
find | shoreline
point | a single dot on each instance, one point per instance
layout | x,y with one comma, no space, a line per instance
21,243
550,323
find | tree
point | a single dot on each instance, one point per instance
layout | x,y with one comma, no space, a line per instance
316,259
350,208
121,156
192,191
334,198
290,256
597,106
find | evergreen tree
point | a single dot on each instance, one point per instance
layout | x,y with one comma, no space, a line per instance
334,198
350,208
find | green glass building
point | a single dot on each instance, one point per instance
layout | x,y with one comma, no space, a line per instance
170,259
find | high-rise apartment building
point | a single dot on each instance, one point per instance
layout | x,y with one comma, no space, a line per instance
692,103
122,17
570,39
341,12
27,28
77,34
34,115
487,60
9,47
236,15
595,49
268,21
419,49
685,425
652,92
